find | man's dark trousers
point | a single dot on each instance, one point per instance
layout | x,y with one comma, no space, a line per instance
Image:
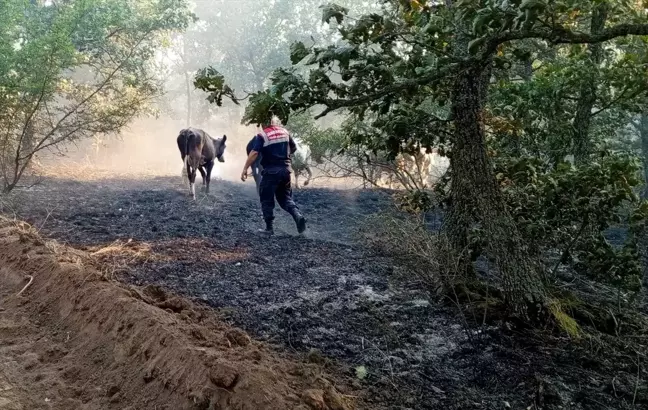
275,183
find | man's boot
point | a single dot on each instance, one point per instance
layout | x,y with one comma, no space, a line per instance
269,229
300,221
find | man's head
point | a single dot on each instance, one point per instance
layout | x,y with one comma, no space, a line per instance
272,121
219,146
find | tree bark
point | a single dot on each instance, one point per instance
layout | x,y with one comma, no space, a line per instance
477,201
643,135
27,144
642,128
527,69
582,143
476,198
189,105
526,72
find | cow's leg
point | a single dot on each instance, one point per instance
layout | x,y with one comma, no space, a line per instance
191,173
202,174
187,171
208,167
183,174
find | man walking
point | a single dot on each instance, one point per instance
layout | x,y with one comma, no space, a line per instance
276,146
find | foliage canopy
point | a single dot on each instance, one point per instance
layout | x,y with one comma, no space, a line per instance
71,70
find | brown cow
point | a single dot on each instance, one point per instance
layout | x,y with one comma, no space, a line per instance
198,151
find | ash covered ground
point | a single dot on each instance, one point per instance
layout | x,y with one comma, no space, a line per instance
325,292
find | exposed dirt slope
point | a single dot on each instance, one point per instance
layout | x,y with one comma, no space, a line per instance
73,340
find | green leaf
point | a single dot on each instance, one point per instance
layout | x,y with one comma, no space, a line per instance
298,52
532,5
480,23
212,81
332,10
474,45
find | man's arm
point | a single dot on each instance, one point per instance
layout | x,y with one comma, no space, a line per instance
250,159
254,154
250,146
248,163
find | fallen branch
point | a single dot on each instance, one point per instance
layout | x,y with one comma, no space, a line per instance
31,279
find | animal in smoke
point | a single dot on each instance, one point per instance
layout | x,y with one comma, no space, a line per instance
299,166
199,151
301,163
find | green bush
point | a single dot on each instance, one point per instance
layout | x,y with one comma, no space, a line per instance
414,202
565,210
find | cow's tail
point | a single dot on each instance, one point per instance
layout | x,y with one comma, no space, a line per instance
185,170
186,161
187,148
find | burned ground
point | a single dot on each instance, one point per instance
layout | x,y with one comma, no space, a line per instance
325,295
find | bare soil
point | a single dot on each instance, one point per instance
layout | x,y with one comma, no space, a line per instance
324,297
73,340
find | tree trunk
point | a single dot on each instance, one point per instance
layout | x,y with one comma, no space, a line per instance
643,135
477,200
587,99
642,127
527,69
189,89
27,144
526,72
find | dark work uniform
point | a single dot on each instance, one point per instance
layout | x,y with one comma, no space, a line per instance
256,166
276,147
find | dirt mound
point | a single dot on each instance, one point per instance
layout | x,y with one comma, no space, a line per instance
74,340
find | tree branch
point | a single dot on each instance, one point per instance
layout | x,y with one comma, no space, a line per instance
30,116
621,96
560,35
99,87
333,104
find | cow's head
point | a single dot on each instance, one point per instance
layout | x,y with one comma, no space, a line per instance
220,148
